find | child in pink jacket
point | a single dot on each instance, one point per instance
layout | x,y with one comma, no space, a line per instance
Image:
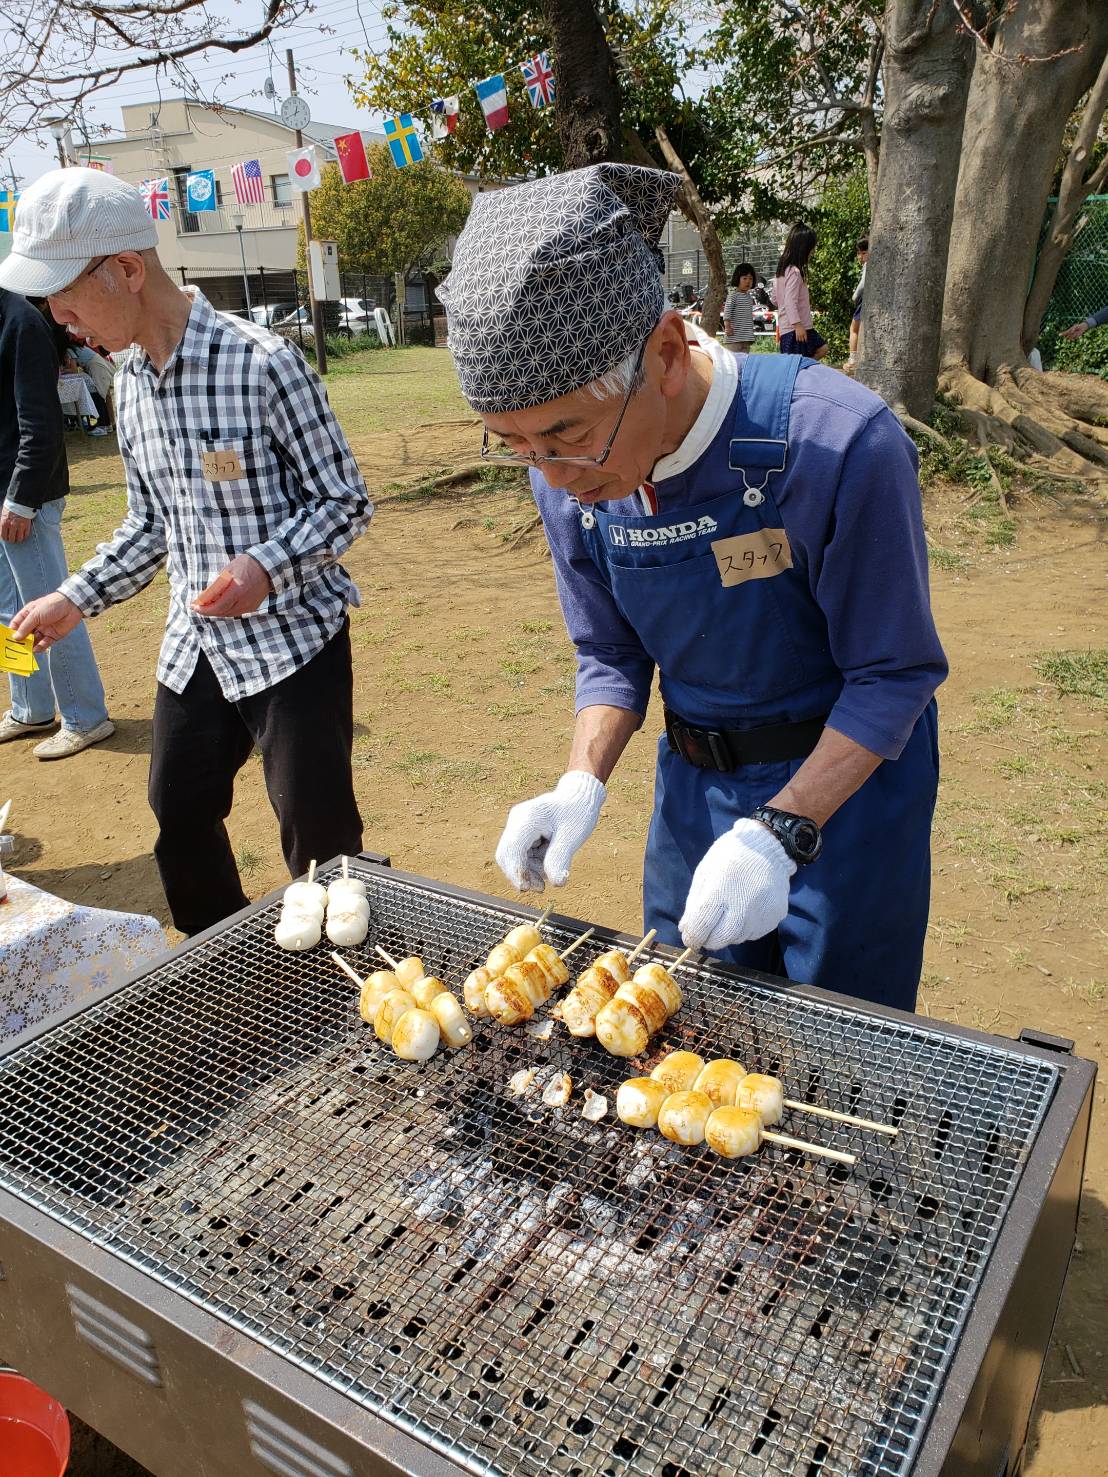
794,307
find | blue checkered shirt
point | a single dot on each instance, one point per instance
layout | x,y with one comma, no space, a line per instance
230,386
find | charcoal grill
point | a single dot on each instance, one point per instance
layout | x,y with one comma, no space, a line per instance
238,1236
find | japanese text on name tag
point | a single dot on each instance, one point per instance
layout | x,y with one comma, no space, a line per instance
752,556
221,466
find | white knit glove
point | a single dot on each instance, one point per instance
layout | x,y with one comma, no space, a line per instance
739,891
542,835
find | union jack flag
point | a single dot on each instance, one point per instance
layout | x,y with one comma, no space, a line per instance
538,74
247,180
155,196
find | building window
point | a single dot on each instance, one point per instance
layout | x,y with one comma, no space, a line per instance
187,222
282,190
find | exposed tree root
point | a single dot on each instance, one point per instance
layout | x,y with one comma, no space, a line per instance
1049,420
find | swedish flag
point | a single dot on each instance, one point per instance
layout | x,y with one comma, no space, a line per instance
8,199
403,140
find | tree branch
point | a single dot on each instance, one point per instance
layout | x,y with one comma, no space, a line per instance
62,53
1072,193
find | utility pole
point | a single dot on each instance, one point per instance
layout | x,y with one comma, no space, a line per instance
317,308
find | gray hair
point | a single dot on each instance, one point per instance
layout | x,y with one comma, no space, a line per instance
621,378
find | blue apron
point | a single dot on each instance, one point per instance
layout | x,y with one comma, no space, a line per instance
723,605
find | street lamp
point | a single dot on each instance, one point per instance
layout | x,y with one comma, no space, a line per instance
236,221
59,127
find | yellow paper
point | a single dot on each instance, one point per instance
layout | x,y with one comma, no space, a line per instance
17,657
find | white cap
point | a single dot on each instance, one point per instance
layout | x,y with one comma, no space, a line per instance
64,221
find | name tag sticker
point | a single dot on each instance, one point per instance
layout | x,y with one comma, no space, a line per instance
17,657
221,466
752,556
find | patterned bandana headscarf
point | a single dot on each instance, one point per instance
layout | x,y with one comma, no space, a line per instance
554,282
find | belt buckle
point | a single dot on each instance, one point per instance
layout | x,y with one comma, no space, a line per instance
705,748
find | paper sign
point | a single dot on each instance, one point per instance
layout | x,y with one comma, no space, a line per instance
17,657
222,466
752,556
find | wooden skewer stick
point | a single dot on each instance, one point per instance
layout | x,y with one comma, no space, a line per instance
389,960
544,915
641,945
348,969
842,1117
576,944
311,870
345,868
805,1148
677,963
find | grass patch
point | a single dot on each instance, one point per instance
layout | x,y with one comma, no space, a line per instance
945,558
248,860
425,769
1076,673
996,710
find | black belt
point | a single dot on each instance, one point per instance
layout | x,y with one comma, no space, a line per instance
728,748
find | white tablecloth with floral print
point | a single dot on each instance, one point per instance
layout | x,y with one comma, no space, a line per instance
53,952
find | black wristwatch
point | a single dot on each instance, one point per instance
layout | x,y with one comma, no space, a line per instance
801,837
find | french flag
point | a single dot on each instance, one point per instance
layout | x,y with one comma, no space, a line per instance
493,96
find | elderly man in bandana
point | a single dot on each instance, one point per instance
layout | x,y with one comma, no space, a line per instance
749,526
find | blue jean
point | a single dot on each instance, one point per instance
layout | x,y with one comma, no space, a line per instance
67,673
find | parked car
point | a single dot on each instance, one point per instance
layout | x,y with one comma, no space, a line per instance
356,315
265,315
347,317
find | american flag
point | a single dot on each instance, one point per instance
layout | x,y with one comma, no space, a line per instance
247,180
155,196
539,77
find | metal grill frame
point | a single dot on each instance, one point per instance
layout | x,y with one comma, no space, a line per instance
339,1418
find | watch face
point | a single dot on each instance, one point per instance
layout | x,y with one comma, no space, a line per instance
806,839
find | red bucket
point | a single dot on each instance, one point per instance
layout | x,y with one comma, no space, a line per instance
34,1430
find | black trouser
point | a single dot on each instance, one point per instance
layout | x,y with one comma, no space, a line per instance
304,727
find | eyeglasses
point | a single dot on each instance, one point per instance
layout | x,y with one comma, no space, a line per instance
94,267
531,459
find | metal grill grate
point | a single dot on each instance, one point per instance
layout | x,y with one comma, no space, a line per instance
527,1292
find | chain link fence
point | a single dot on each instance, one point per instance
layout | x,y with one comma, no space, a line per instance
686,271
1082,285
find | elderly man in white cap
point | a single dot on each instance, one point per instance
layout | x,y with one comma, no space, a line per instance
241,483
750,528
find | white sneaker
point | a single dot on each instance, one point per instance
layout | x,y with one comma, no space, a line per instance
69,741
11,728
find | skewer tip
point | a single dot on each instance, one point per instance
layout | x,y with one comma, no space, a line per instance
311,870
641,945
389,960
682,957
576,944
347,968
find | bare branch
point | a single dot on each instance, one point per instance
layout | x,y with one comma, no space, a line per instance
62,52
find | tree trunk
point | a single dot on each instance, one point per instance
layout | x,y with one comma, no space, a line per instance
1071,194
1045,54
928,61
692,205
587,101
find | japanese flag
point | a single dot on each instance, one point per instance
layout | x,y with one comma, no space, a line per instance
303,169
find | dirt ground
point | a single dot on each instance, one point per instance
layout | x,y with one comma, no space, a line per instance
463,692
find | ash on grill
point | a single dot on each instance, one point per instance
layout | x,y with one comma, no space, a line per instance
533,1292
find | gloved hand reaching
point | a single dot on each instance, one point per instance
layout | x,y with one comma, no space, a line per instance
739,891
541,836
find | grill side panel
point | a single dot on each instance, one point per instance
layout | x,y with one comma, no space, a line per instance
221,1390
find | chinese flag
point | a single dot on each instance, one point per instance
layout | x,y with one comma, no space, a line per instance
352,160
